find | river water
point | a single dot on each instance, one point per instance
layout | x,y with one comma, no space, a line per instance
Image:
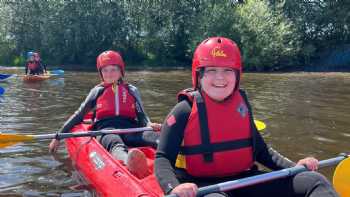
306,114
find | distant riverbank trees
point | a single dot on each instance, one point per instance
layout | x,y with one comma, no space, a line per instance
272,35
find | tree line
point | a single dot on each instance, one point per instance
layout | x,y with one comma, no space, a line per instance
272,34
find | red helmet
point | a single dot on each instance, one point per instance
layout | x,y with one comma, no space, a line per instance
110,58
216,51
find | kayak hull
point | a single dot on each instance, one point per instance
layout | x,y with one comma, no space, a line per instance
34,78
106,175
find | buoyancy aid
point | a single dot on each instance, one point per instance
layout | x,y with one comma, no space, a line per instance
217,138
115,101
32,65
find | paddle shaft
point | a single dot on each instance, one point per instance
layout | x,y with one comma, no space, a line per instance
90,133
253,180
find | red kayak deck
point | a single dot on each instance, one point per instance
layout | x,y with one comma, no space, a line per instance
106,175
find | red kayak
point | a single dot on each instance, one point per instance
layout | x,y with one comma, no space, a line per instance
34,78
106,175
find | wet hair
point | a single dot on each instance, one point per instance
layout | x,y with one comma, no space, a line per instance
200,74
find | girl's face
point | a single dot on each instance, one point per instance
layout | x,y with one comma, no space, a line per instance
111,73
218,82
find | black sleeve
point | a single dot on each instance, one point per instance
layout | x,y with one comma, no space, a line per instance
84,108
171,137
269,157
43,65
142,119
26,68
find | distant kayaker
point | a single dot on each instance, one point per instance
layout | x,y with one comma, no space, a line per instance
210,136
116,104
34,65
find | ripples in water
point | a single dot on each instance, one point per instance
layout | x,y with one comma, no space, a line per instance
306,114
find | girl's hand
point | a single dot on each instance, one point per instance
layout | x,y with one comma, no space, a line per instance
310,162
185,190
53,146
156,126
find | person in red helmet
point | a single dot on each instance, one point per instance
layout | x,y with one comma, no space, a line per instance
116,104
210,136
34,65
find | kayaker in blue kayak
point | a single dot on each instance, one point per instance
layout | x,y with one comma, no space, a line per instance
34,65
116,104
210,136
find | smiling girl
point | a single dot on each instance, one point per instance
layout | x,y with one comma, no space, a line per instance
116,105
210,136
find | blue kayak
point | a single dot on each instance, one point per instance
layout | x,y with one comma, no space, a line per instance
2,90
4,77
56,72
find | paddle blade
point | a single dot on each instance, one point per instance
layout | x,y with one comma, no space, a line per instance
4,145
2,90
8,139
4,77
57,72
341,178
260,125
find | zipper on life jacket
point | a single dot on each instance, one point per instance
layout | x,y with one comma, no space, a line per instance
116,99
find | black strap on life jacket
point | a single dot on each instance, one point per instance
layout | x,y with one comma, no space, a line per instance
203,123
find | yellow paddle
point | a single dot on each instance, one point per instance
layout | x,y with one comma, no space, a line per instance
8,139
260,125
341,178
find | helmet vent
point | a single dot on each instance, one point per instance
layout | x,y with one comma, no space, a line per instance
219,40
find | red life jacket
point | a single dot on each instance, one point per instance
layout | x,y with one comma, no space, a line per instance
217,138
115,101
33,65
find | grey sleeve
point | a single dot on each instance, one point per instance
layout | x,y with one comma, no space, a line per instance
85,107
142,117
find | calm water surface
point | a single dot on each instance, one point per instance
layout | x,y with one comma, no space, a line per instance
306,114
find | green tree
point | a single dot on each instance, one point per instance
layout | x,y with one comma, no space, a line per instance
272,34
323,25
267,38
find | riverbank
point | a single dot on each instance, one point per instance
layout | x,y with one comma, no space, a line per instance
307,68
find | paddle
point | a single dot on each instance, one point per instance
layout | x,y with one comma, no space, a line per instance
341,178
4,77
8,139
253,180
56,72
2,90
260,125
